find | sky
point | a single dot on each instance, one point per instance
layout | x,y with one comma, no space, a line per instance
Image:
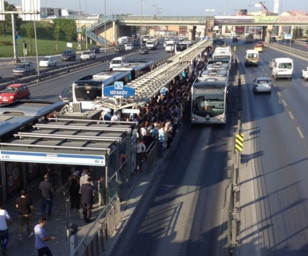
168,7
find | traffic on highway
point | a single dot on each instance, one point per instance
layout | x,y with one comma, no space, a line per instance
204,196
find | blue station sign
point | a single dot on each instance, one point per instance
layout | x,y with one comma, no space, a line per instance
119,89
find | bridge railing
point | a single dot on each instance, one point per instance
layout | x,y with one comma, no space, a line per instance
167,18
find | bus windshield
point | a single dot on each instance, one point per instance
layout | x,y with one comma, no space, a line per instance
87,92
210,103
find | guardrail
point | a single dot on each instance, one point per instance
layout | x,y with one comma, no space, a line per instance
50,73
288,49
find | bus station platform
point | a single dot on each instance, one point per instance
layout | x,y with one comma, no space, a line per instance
131,197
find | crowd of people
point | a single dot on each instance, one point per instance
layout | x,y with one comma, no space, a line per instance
158,120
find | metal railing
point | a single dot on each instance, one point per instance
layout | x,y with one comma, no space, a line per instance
93,242
288,49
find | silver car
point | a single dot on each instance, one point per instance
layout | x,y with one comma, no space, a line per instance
24,69
262,84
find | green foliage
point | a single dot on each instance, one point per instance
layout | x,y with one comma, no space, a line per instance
30,31
68,27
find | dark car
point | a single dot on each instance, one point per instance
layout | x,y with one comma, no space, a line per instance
144,50
95,49
68,55
24,69
119,48
66,94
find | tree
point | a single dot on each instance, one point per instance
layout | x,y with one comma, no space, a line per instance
7,23
56,34
30,34
68,27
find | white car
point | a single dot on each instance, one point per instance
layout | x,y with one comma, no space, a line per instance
88,55
48,61
128,47
304,74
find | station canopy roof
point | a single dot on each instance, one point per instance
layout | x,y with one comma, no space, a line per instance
66,141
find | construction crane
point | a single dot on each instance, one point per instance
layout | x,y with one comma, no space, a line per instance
262,6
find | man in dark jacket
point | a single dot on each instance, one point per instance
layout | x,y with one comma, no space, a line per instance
87,192
24,207
47,195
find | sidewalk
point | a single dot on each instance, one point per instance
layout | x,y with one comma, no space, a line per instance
131,197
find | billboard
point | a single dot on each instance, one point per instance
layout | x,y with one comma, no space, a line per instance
32,7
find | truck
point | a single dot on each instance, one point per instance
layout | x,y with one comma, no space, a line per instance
169,47
305,74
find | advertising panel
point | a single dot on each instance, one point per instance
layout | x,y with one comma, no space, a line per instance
13,178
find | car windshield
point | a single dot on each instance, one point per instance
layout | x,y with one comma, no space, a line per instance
86,53
11,89
46,58
22,65
263,81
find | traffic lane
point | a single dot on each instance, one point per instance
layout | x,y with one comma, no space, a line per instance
275,165
7,65
281,204
51,89
185,216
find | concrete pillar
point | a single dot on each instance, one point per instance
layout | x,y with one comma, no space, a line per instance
267,34
115,31
191,32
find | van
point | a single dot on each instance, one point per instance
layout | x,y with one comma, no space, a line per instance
282,67
117,62
252,58
169,47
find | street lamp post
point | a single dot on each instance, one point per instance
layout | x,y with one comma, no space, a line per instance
105,27
141,24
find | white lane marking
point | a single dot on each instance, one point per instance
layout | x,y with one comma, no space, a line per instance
291,115
279,94
300,132
284,103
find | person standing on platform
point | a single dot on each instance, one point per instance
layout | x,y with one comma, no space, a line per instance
47,191
41,238
4,231
24,207
74,189
87,192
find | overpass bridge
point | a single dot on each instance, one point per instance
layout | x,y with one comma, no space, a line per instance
119,25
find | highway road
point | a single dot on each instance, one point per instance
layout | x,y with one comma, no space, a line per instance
186,213
273,175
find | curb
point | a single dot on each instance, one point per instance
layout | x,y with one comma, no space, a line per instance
151,179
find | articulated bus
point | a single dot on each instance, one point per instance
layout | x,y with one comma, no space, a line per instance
209,101
89,90
136,67
222,54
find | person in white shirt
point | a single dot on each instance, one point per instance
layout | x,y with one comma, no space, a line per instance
140,150
4,232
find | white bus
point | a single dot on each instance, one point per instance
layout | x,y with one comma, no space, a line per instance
222,54
182,46
89,90
209,101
